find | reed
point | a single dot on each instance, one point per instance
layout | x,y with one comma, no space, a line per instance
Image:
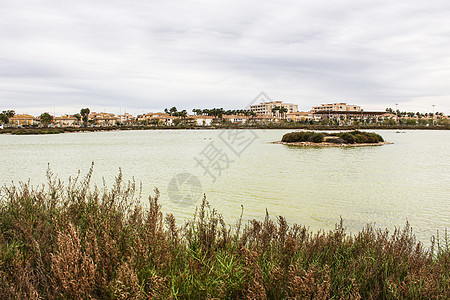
75,240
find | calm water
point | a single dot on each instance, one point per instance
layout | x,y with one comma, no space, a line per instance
387,185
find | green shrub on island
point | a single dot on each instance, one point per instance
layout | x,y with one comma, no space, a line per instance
361,137
77,241
303,136
334,140
293,137
316,137
348,138
33,131
352,137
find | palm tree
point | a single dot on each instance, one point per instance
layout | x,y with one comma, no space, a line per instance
218,112
274,110
172,111
282,111
183,114
197,111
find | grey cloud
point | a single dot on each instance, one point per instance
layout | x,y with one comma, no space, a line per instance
152,54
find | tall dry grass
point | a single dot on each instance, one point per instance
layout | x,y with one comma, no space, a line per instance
77,241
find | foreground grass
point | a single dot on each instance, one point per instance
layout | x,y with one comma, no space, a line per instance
72,241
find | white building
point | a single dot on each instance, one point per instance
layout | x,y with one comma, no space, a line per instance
266,108
202,120
126,118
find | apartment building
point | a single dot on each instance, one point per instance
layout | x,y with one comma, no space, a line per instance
336,107
266,108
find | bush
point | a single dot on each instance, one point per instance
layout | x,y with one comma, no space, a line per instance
334,140
316,137
295,137
360,137
379,137
348,138
75,241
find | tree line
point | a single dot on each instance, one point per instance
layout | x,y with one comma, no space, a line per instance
402,114
219,112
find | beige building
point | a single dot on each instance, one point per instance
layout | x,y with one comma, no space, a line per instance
299,116
236,119
65,121
23,120
336,107
156,118
265,108
103,119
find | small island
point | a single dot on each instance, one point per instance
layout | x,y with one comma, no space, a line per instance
340,139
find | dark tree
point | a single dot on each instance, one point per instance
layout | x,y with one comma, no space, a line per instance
46,119
78,116
85,115
6,115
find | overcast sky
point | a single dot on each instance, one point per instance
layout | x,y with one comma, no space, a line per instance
143,56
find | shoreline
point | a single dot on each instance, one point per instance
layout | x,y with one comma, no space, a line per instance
58,130
325,144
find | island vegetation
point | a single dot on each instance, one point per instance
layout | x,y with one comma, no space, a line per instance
76,241
338,138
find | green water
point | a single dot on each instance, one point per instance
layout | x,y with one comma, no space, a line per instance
387,185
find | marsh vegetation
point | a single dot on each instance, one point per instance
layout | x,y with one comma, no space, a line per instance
72,240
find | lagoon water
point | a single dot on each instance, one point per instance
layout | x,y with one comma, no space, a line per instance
386,185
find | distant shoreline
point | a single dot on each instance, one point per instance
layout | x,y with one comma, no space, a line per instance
58,130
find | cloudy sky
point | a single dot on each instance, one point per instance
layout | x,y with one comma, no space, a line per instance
118,55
